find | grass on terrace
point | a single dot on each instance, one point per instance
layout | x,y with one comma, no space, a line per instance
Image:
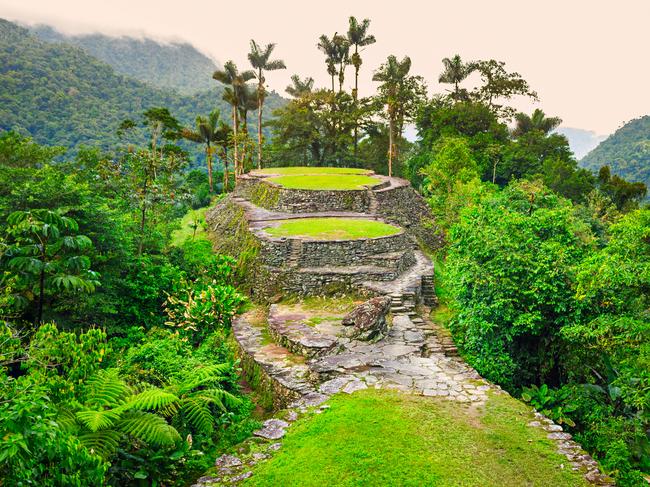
386,438
332,228
302,170
332,182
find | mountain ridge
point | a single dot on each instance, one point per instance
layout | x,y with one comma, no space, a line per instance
60,95
175,65
626,152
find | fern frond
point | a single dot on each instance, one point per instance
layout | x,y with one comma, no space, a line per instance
106,388
197,411
103,443
153,400
98,420
149,428
223,399
202,377
67,420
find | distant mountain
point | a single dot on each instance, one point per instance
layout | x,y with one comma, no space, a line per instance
164,65
61,95
626,152
581,141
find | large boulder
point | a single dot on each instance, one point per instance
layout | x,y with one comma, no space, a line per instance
368,320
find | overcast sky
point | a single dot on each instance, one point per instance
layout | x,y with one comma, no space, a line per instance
589,60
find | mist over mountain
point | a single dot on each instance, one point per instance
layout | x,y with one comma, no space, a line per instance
173,65
581,141
61,95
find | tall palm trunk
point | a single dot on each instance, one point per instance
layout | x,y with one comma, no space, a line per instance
260,105
391,146
235,122
208,157
356,98
225,169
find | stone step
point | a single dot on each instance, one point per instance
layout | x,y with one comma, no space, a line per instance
297,336
398,260
270,368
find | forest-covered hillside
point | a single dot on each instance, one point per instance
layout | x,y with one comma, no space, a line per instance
173,65
60,95
626,151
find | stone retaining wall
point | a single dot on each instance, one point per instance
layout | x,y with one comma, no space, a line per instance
274,197
318,253
403,205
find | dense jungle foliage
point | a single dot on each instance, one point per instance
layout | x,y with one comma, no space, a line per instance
116,312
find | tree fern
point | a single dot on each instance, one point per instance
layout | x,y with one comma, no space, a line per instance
198,413
103,443
153,400
96,420
106,389
149,428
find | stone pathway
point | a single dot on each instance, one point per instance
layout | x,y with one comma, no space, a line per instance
411,358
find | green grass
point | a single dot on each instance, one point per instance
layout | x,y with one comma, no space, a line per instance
332,228
288,171
191,218
334,182
375,438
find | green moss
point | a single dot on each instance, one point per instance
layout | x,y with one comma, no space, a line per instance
317,320
264,195
332,228
302,170
330,182
386,438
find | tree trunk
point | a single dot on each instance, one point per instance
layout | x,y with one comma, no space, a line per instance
391,143
235,151
356,98
259,133
225,170
260,105
143,215
208,157
41,295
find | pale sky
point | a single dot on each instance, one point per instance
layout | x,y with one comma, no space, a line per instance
589,60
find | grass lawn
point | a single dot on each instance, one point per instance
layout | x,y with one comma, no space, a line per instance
288,171
336,182
332,228
377,438
191,219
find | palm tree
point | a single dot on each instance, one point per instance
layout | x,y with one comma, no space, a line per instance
260,60
300,87
231,76
327,46
358,37
538,121
341,56
455,72
222,140
206,132
393,75
247,102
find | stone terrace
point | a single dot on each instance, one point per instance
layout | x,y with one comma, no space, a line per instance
299,356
